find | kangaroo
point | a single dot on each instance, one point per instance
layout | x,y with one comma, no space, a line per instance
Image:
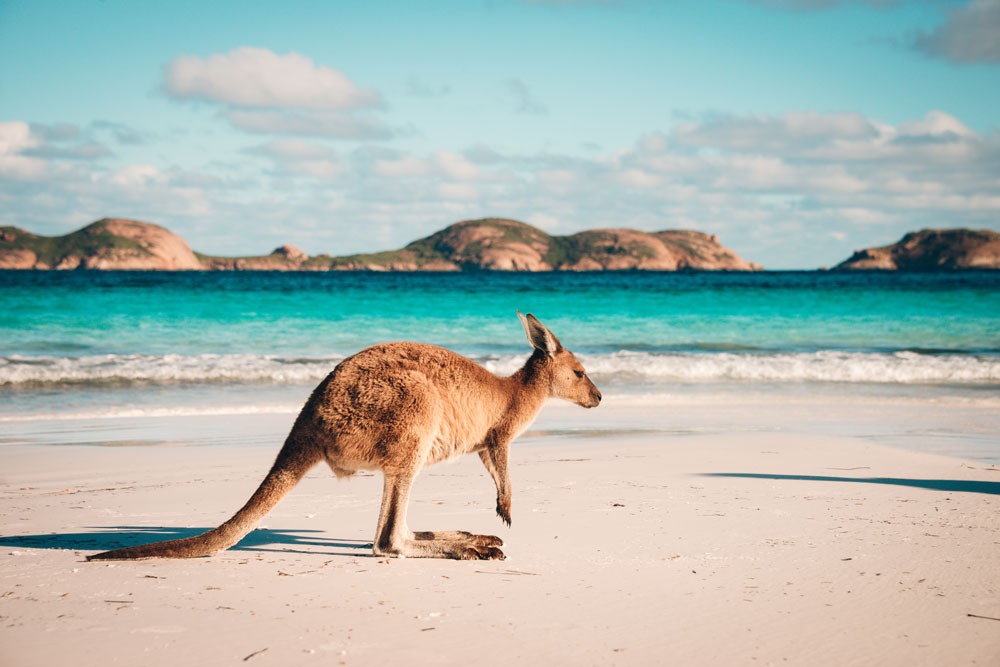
398,407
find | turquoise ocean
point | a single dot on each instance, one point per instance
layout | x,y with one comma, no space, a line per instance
106,345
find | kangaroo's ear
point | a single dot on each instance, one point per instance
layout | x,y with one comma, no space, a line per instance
539,337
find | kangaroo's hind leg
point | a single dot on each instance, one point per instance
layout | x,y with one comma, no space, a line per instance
393,538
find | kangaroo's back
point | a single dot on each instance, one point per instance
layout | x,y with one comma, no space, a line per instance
389,388
401,363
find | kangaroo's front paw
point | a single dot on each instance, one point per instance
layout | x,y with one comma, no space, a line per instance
481,553
503,510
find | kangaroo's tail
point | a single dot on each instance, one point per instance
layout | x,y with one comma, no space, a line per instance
286,472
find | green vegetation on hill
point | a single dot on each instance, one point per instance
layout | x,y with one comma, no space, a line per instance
383,258
85,242
594,243
422,251
318,262
685,245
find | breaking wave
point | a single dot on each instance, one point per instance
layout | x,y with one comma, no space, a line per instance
905,367
119,369
823,366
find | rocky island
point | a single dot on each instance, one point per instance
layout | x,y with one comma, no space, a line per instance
491,244
110,243
931,250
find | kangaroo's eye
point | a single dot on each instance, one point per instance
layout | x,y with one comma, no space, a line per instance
579,374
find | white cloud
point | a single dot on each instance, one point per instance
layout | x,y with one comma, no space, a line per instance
863,216
792,131
457,166
267,93
318,169
28,141
558,177
639,178
18,167
543,220
301,158
459,191
401,166
15,138
439,165
291,149
750,172
935,125
46,185
258,78
137,175
833,179
333,124
971,34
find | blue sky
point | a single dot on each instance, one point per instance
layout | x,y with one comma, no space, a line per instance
796,130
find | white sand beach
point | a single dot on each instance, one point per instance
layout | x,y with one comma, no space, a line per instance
733,543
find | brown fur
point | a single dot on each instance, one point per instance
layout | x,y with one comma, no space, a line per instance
397,407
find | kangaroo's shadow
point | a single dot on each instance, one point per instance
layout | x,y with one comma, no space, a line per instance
105,538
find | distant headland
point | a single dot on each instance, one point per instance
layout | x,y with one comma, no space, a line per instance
489,244
931,250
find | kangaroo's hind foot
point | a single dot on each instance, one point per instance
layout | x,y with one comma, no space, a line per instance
421,546
470,546
459,536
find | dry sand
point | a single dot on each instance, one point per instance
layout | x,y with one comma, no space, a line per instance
629,548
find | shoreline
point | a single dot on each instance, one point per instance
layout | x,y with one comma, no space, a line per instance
962,426
726,547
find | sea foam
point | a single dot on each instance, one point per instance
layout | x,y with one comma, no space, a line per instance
905,367
110,369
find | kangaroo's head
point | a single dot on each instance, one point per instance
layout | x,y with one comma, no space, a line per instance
568,378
